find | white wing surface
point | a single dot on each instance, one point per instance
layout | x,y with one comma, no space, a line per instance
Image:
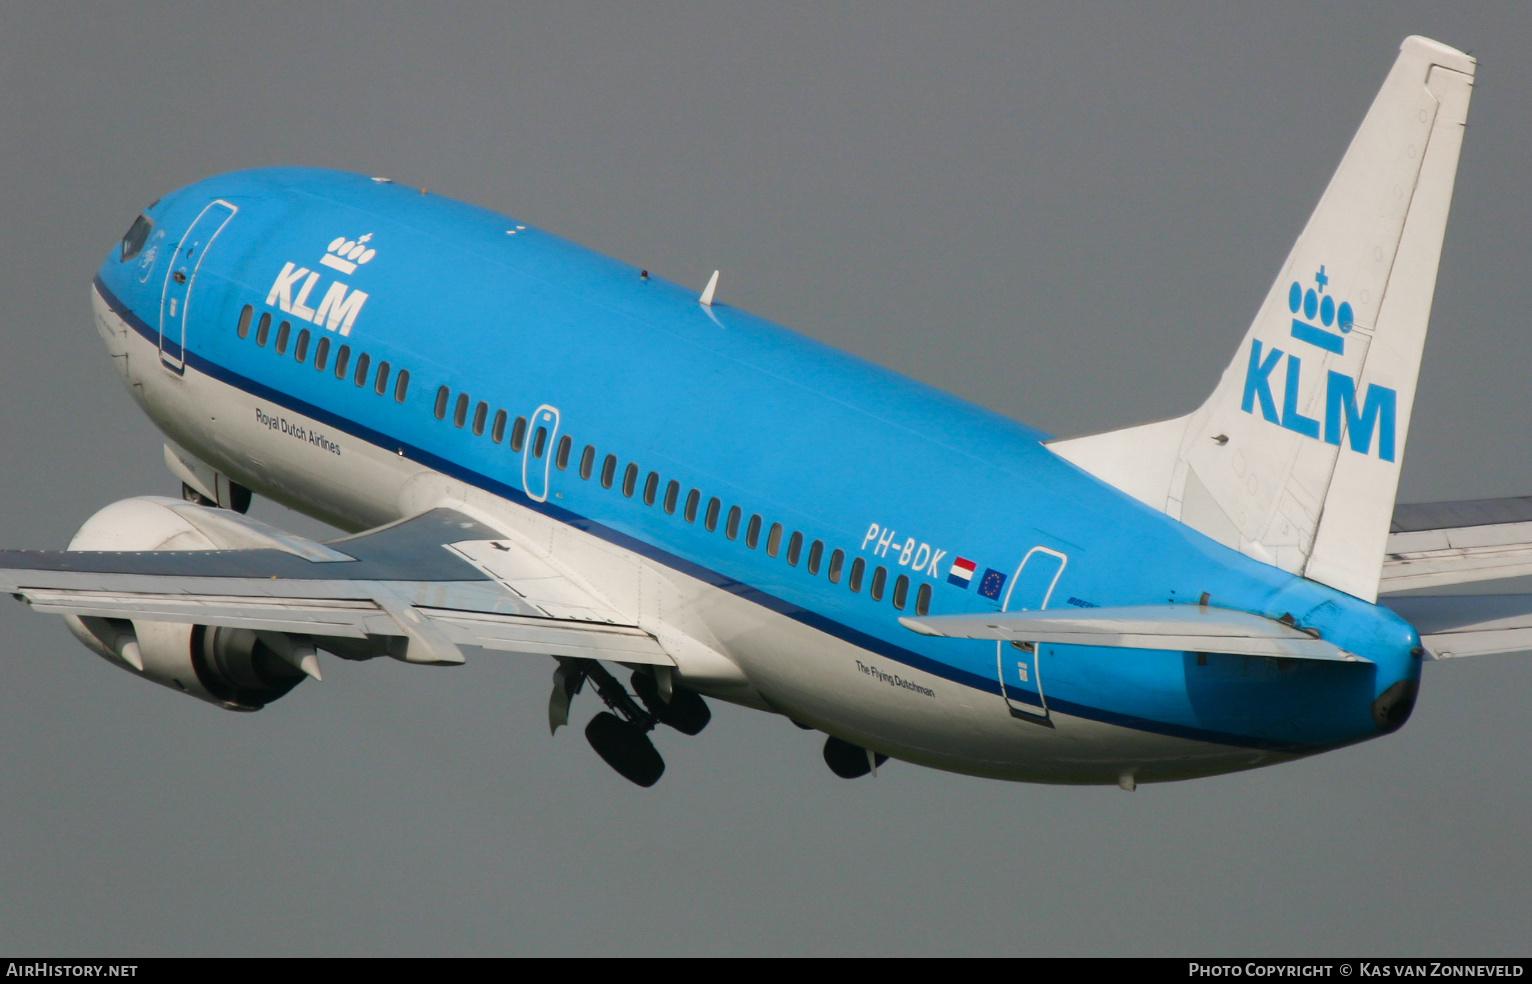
436,582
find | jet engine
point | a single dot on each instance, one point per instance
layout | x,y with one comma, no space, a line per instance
237,669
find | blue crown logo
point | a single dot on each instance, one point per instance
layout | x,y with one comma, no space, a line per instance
1315,303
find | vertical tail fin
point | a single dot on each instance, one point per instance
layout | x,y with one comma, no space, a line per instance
1294,459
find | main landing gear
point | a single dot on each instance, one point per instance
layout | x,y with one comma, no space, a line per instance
620,735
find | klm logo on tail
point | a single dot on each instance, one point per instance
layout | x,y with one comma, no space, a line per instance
1379,410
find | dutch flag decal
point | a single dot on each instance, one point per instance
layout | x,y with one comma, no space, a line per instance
961,572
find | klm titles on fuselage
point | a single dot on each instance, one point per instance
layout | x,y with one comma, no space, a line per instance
337,309
1379,410
285,426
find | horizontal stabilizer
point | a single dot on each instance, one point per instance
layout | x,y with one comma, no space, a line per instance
1468,625
1434,544
1191,628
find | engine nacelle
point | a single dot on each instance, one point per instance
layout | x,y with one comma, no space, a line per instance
237,669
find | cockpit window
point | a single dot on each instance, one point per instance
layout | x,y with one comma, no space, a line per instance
133,240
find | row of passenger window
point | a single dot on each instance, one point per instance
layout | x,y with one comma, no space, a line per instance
361,373
481,420
670,501
794,554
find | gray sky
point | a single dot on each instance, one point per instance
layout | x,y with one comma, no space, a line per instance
1067,213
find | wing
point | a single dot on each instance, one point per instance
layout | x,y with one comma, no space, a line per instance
1191,628
437,581
1468,625
1439,543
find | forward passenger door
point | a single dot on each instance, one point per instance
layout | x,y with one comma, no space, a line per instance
181,275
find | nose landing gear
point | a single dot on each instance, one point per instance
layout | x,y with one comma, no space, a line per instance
239,497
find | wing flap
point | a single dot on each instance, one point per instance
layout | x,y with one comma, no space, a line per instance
551,637
1191,628
350,618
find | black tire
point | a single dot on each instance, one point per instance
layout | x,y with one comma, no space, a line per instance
847,760
625,748
687,712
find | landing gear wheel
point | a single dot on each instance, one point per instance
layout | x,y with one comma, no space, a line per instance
626,748
687,712
850,761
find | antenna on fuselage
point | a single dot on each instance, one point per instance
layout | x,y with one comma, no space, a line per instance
710,290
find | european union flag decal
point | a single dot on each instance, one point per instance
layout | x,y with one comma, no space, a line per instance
991,583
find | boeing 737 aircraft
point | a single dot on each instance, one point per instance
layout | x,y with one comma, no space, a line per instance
542,452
